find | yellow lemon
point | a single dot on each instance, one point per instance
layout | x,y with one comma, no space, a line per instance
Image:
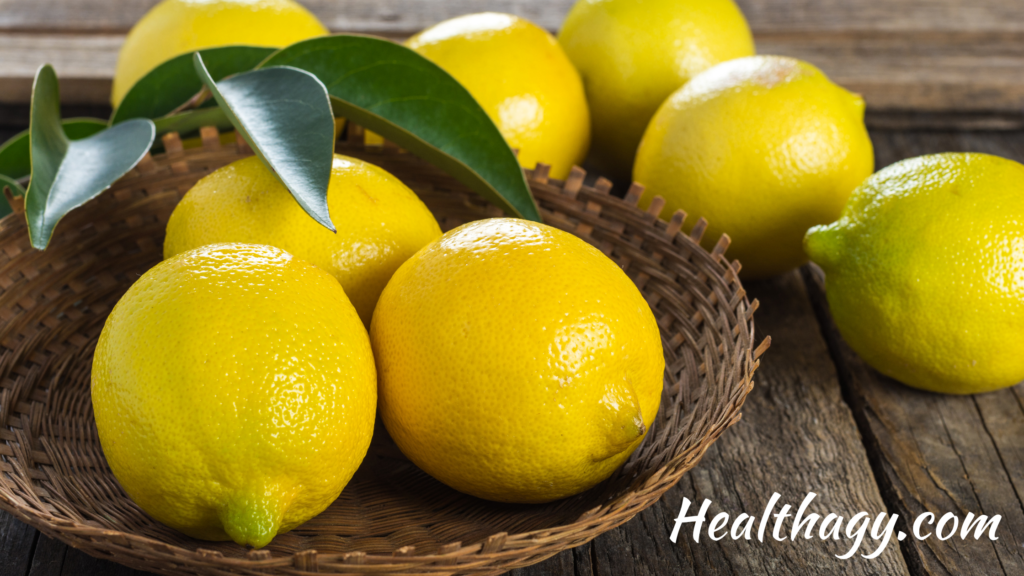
517,363
522,79
925,272
633,53
763,147
380,222
234,390
175,27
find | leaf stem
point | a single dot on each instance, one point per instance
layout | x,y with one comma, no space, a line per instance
194,102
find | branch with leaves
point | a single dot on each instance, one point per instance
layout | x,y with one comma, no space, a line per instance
283,103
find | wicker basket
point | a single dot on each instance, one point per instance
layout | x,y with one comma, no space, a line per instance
392,518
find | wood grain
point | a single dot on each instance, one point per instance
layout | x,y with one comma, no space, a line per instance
409,16
390,17
896,16
921,71
941,454
931,55
16,540
48,559
84,65
574,562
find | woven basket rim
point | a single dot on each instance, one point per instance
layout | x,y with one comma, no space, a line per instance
495,551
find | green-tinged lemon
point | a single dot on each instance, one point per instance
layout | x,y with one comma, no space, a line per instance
925,272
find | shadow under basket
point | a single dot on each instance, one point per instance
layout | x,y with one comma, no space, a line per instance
392,518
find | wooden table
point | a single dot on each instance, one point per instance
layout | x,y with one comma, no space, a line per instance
938,75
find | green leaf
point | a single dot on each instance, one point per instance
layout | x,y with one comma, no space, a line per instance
285,116
67,173
174,82
15,161
409,100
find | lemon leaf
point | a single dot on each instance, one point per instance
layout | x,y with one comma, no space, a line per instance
411,101
174,82
284,114
15,160
67,173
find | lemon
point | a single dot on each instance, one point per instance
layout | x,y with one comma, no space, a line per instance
633,53
234,390
175,27
517,363
520,76
925,272
380,222
763,147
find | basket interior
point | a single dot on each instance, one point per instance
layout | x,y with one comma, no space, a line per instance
53,305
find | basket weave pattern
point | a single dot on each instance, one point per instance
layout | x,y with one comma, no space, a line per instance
392,518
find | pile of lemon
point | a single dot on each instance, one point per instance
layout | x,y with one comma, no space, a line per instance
236,384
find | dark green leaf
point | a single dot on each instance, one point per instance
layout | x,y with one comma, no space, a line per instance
285,116
174,82
67,173
15,160
404,97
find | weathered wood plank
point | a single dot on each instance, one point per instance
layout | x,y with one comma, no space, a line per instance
48,559
935,453
933,55
368,16
575,562
796,436
54,558
407,16
84,65
940,454
78,563
907,73
16,541
897,16
924,71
